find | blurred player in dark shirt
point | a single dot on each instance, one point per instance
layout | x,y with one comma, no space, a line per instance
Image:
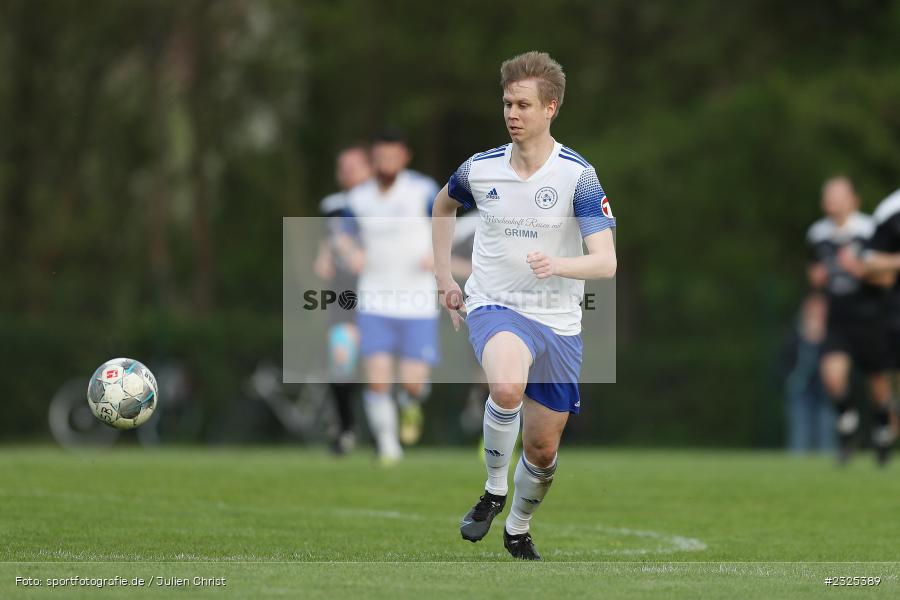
338,263
881,260
856,311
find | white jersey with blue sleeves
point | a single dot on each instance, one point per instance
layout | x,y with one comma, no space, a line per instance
551,211
394,228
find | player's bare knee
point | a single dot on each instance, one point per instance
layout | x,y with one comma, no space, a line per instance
835,387
507,395
541,454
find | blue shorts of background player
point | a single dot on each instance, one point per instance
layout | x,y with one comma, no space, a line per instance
556,366
413,339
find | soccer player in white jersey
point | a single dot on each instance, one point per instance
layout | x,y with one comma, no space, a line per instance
539,201
397,316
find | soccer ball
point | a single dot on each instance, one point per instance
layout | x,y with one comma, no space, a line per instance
122,393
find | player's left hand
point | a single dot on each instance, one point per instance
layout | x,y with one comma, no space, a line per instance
542,266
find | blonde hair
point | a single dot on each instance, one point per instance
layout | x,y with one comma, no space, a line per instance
549,74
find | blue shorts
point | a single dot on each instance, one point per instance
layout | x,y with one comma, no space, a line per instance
553,377
414,339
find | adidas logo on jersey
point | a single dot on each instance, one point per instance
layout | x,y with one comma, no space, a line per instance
492,195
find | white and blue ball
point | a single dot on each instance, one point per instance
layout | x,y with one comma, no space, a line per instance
122,393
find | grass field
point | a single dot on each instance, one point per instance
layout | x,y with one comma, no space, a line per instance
299,524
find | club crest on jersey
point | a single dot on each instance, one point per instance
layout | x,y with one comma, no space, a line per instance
546,197
606,208
492,195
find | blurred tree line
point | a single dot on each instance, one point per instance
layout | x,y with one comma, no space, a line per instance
150,149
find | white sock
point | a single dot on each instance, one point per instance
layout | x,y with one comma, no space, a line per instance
532,484
382,415
501,427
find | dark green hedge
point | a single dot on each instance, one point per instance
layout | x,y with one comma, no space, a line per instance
685,392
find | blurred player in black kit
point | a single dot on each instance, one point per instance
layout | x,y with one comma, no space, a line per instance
856,314
339,263
882,259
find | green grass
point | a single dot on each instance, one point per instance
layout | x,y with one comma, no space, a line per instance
294,523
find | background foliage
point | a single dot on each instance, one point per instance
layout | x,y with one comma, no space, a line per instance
149,149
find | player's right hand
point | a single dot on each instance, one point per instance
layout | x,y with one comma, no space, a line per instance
451,298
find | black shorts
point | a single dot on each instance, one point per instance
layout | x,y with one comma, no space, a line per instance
866,341
893,335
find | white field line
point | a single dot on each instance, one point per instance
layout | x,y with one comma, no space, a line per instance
658,542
